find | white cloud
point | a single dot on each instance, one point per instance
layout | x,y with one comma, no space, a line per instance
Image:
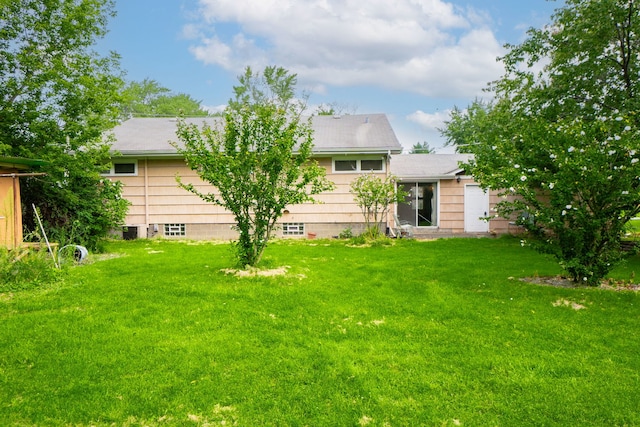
430,121
424,46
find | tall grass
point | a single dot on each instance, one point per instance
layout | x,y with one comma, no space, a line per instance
415,333
22,269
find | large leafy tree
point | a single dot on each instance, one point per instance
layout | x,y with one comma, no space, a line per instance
57,97
258,160
150,99
561,136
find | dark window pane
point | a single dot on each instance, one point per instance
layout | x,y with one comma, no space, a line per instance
124,168
371,165
346,165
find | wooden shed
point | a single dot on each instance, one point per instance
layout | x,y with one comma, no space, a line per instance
11,169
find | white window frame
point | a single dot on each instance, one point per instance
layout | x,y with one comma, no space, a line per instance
112,171
175,230
358,161
293,229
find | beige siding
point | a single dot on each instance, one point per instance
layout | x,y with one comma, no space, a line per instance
156,199
452,205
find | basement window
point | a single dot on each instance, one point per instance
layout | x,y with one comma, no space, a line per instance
175,230
292,229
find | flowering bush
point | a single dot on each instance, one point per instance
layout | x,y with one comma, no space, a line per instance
563,142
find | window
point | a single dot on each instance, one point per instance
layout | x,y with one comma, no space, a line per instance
358,165
129,168
175,230
292,229
371,165
346,165
421,204
124,168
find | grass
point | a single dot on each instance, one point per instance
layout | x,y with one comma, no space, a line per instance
435,333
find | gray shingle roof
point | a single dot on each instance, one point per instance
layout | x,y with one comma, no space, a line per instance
363,133
427,166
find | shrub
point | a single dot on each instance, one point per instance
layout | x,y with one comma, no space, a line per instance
23,269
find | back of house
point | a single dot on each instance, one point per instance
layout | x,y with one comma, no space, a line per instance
442,198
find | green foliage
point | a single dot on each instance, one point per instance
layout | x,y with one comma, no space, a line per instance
374,196
22,269
57,98
149,99
564,142
347,233
258,160
421,148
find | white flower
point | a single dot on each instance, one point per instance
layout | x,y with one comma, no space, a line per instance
619,119
571,149
617,137
627,128
634,160
517,166
552,156
551,185
564,212
568,206
523,178
612,152
625,192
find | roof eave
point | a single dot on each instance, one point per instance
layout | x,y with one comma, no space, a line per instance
150,153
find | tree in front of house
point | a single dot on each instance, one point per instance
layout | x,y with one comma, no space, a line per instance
375,195
563,139
150,99
259,160
421,148
57,98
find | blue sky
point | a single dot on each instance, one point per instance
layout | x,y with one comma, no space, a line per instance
411,59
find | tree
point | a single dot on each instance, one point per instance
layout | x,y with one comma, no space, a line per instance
149,99
563,142
57,98
259,160
374,196
422,148
335,108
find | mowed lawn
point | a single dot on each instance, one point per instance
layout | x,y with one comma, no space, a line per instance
438,333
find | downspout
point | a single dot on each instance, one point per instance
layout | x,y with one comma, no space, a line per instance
146,196
388,162
17,226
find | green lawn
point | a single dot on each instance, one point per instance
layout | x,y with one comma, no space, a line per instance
435,333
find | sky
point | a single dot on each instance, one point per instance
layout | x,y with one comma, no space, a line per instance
414,60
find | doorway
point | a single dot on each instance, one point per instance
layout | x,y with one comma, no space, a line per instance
420,208
476,207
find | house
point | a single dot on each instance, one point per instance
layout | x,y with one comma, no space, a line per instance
146,162
147,165
11,169
443,199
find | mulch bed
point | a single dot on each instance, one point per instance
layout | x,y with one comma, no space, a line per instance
564,282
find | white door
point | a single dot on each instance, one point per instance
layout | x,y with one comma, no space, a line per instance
476,207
